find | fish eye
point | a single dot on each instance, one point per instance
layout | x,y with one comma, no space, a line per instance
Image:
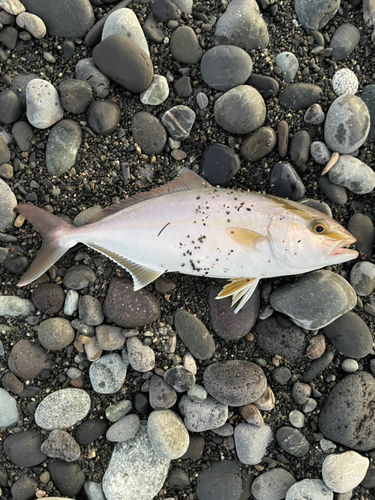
319,227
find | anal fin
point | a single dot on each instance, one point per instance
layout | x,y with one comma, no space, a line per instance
241,289
142,275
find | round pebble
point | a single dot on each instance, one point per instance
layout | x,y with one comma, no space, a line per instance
259,144
353,174
179,121
148,133
110,338
23,448
103,117
344,82
362,278
75,95
48,298
62,445
314,115
107,374
157,92
9,414
55,334
168,434
288,63
297,419
184,46
124,429
90,310
349,365
343,472
162,395
285,182
292,441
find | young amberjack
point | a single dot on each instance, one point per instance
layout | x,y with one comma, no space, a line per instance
190,227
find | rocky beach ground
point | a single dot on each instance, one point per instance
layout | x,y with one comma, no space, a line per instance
164,393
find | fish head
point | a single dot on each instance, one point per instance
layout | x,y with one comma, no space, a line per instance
305,239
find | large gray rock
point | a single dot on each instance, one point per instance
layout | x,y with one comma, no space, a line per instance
347,124
107,374
315,300
135,470
243,26
62,147
353,174
315,14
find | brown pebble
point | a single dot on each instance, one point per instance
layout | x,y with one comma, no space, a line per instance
76,382
12,383
19,221
48,298
164,285
27,360
178,154
283,138
252,415
316,347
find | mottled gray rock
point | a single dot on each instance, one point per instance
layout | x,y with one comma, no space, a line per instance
94,491
118,410
292,441
162,395
9,414
62,445
78,277
141,357
272,485
124,429
90,310
251,442
194,334
313,489
168,434
124,22
314,115
344,40
110,338
179,378
202,416
55,334
86,71
15,306
353,174
344,471
315,14
107,374
63,143
301,392
361,227
362,278
43,106
288,63
320,152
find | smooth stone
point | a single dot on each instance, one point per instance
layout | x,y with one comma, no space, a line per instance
94,36
23,448
128,308
353,174
7,216
315,300
54,15
368,97
344,40
344,82
292,441
90,310
162,396
63,144
165,10
300,149
55,334
234,382
194,334
120,59
179,121
243,26
118,410
219,164
124,22
62,445
4,152
240,110
285,182
91,430
362,278
204,415
344,471
361,227
320,152
103,117
22,134
151,29
355,428
157,92
300,96
124,429
6,171
86,71
110,338
350,335
141,357
225,323
309,489
178,478
94,491
222,481
107,374
168,434
17,265
10,107
84,217
32,23
281,375
317,366
43,106
148,133
183,87
185,6
280,336
24,487
9,414
197,393
297,419
266,86
79,277
75,95
179,378
288,63
184,46
259,144
334,192
272,485
68,478
316,347
13,7
9,37
315,14
135,470
314,115
225,67
27,360
349,365
12,383
19,86
251,442
15,306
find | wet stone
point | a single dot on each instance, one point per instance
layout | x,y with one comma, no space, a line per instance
272,485
90,310
194,334
162,395
179,378
292,441
148,133
219,164
204,415
286,183
55,334
107,374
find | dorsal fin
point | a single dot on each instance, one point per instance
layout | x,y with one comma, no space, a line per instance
186,180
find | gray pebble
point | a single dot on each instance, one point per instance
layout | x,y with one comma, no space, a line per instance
314,115
251,442
63,144
179,378
349,365
352,174
61,445
288,63
292,441
107,374
90,310
344,40
179,121
141,357
118,410
297,419
320,152
79,277
272,485
22,134
43,106
55,333
168,434
301,392
197,393
110,338
361,227
362,278
9,414
309,405
204,415
309,489
281,375
87,71
7,202
184,46
194,334
103,117
162,395
315,14
124,429
75,95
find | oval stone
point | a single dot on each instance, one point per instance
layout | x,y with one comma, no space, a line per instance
258,145
194,334
353,174
168,434
235,382
63,143
299,96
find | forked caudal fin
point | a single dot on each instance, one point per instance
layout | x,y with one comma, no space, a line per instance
53,230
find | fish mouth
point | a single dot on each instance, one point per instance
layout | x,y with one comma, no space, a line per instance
340,248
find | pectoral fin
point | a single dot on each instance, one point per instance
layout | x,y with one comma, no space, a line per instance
244,237
241,289
141,275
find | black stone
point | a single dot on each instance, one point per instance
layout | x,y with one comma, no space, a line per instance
334,192
148,133
179,378
362,228
300,149
22,134
103,117
369,480
219,164
24,488
10,107
182,87
317,366
285,182
68,49
19,85
18,265
67,477
75,96
142,405
299,96
90,430
266,86
9,37
178,479
152,30
222,481
6,18
194,334
292,441
165,10
23,448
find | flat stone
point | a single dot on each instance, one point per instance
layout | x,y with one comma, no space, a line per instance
124,429
60,444
22,134
27,360
67,477
315,14
9,414
344,40
194,334
353,174
179,121
168,434
43,106
292,441
299,96
344,471
23,448
157,92
103,117
148,133
86,71
272,485
63,143
259,144
55,334
288,63
184,46
75,95
107,374
280,336
124,22
162,395
361,227
320,152
251,442
10,107
219,164
200,416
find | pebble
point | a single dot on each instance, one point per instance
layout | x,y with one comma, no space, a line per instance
86,71
141,357
90,310
179,121
118,410
272,485
318,366
9,414
259,144
13,7
32,23
23,448
344,471
128,308
251,442
368,97
197,393
12,383
344,40
315,300
91,430
9,37
55,334
309,406
313,489
278,335
288,63
179,378
281,375
285,182
185,6
267,86
162,396
243,26
194,334
362,278
292,441
219,164
107,374
48,298
225,323
110,338
350,335
24,487
152,30
353,174
297,419
349,365
184,46
63,144
202,416
124,429
241,110
27,360
252,415
301,392
202,100
314,115
361,227
84,329
283,137
66,477
226,66
148,133
10,106
315,14
344,82
157,92
320,152
4,152
165,10
103,117
94,491
300,150
124,22
222,481
335,193
168,434
135,470
266,402
43,106
75,95
22,133
135,72
316,347
300,96
62,445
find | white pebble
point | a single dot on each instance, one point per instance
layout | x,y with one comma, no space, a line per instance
344,82
343,472
349,365
157,92
43,108
32,23
297,419
14,7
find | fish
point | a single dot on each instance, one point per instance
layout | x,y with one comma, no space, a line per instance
191,227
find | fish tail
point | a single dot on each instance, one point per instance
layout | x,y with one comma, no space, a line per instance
55,244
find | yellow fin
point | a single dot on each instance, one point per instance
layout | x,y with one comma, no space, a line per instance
141,275
244,237
241,290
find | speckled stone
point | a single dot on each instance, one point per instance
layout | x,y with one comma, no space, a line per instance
48,297
344,82
107,374
55,334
